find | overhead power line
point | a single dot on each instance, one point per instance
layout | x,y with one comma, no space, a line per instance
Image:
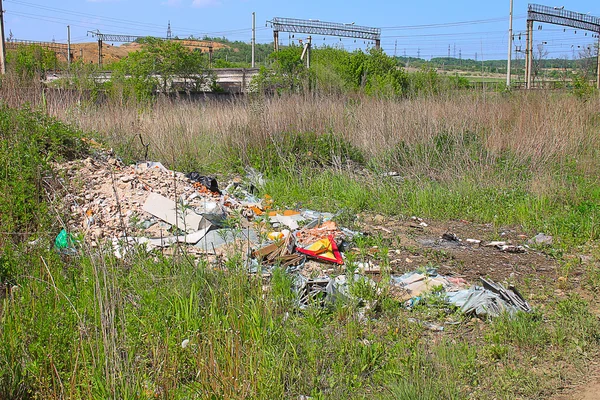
449,24
121,22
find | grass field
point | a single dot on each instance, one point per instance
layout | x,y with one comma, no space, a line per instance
93,326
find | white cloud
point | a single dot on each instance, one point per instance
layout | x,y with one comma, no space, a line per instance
205,3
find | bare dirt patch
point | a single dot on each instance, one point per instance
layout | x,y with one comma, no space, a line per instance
88,52
414,245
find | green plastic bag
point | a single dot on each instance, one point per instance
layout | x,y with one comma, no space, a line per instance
64,242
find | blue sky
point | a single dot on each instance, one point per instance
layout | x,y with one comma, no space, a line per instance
427,28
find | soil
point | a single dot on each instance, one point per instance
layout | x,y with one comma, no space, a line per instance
414,245
587,391
110,53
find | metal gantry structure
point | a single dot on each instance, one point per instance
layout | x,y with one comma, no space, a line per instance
111,38
316,27
557,16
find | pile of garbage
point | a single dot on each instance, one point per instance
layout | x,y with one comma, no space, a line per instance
151,205
488,300
148,206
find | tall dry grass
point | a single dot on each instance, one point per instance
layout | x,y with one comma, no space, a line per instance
440,137
536,128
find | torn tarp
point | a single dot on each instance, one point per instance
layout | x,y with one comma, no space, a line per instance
490,300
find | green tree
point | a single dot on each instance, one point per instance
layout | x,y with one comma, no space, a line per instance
334,71
161,66
30,62
286,74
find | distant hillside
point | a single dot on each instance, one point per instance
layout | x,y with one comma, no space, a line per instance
111,53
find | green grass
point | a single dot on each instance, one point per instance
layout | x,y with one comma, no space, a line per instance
574,218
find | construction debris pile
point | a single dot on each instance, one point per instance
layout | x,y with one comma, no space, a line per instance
147,206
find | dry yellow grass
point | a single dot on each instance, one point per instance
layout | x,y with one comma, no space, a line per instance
540,130
538,127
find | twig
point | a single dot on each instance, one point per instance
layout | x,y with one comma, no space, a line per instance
50,275
145,146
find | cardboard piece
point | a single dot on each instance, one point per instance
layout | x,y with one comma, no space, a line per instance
164,208
290,222
216,239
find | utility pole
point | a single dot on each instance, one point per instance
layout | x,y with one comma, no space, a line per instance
68,46
253,37
99,52
510,39
529,55
598,62
308,52
2,50
395,47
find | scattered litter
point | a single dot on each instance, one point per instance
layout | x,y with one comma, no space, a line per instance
315,231
324,249
316,215
312,291
280,252
426,324
368,268
289,221
541,240
451,237
322,291
490,300
255,178
473,241
278,235
382,228
414,284
511,249
65,243
495,244
208,182
215,239
420,223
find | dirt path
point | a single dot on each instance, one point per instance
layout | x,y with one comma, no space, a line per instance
589,391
